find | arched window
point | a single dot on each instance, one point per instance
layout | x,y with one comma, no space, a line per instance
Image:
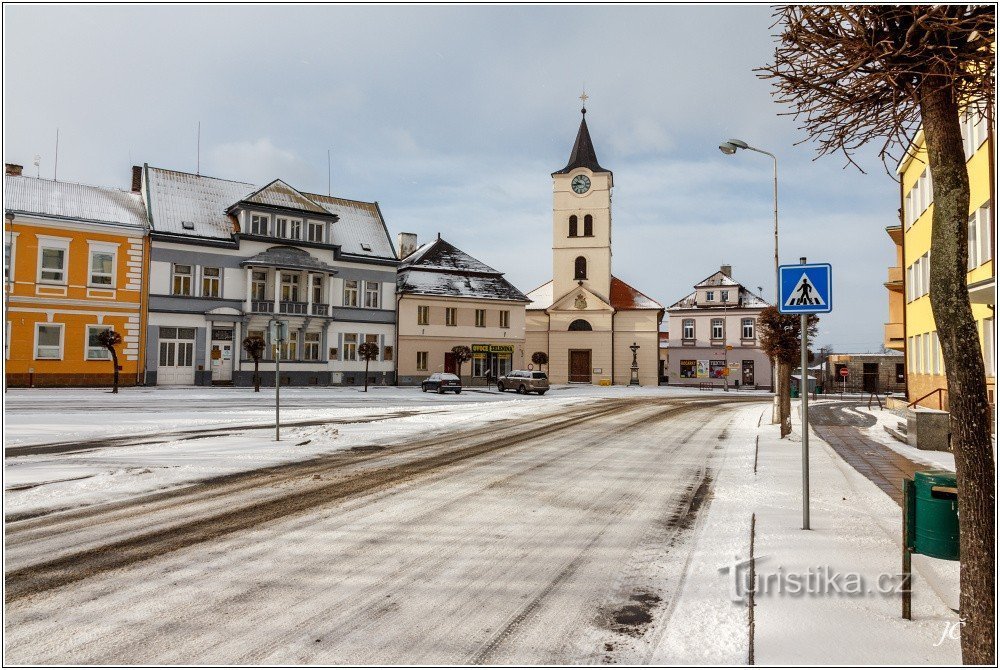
588,226
580,324
572,226
580,268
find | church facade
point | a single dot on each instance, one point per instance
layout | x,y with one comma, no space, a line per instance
585,319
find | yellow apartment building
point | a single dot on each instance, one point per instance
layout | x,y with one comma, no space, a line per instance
75,261
911,327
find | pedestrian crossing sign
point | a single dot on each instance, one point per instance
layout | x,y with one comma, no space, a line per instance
805,289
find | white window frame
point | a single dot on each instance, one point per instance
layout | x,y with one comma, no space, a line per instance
351,290
684,329
10,242
317,289
87,355
709,296
102,248
281,226
256,218
989,353
724,296
218,282
255,283
372,294
311,341
422,359
744,325
295,229
423,315
62,340
58,243
292,281
451,316
316,231
190,277
351,347
505,318
721,325
480,318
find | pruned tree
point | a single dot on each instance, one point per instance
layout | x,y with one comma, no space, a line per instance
856,74
368,352
462,353
779,339
540,358
109,339
255,345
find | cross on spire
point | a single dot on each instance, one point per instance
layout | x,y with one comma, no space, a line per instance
583,98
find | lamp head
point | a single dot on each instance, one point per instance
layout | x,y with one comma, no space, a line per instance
739,144
9,215
727,148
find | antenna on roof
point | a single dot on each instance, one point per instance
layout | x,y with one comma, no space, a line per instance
329,172
38,163
55,166
198,163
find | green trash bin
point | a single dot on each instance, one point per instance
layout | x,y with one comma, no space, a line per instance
937,514
795,391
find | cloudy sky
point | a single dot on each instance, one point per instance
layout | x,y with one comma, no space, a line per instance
452,118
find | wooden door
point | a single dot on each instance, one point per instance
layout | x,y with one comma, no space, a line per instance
449,362
869,377
579,365
748,373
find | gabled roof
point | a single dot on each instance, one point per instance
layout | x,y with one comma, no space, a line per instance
76,202
623,297
280,194
718,278
440,268
746,300
288,258
583,154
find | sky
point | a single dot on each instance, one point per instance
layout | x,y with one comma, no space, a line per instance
453,119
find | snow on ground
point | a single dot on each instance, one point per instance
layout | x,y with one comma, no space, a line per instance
855,529
943,460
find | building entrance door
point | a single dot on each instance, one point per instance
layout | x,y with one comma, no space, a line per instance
579,366
222,354
748,373
869,377
449,362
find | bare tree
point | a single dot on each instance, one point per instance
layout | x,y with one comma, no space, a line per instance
368,351
254,345
462,353
855,74
779,339
109,339
540,358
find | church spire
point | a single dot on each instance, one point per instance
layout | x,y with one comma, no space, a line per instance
583,154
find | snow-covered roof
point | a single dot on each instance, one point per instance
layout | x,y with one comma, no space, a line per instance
196,206
623,297
746,300
78,202
289,258
717,279
541,297
440,268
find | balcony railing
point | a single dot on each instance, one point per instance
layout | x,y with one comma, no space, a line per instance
262,306
289,307
320,309
895,275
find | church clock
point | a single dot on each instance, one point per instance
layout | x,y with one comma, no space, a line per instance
581,183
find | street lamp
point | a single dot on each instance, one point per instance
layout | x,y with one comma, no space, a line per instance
731,147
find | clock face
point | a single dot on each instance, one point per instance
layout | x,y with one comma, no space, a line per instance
581,183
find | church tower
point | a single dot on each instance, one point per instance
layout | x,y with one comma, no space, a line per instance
581,220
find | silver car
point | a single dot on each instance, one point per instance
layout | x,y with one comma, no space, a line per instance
524,381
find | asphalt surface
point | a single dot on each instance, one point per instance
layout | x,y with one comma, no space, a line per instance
562,539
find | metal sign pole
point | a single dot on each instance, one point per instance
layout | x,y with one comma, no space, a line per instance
277,392
804,396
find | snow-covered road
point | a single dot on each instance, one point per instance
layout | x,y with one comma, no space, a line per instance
562,537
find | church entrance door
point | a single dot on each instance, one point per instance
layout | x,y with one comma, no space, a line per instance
579,366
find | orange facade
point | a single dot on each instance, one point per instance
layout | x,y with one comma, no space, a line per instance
71,279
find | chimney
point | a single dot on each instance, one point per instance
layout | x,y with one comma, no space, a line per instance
136,178
407,244
727,270
13,169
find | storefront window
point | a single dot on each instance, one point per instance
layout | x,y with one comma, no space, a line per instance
689,369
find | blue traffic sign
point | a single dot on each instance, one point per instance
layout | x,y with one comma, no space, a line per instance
805,289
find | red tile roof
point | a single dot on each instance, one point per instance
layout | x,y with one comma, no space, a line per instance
624,296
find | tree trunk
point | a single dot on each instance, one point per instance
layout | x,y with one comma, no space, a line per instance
256,375
784,380
966,374
114,361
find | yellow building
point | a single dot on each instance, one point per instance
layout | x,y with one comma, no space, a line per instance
75,260
911,327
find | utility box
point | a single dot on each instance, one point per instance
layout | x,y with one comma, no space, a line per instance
936,531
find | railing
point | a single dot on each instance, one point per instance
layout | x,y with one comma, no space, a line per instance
940,391
320,309
262,306
289,307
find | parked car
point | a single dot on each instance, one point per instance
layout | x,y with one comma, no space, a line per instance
441,382
524,381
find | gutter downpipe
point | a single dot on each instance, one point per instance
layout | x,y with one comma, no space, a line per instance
147,244
395,355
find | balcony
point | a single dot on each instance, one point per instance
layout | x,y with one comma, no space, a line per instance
262,306
894,336
290,307
320,309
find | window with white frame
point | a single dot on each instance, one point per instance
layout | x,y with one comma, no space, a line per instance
9,251
211,282
481,318
718,329
289,349
451,316
95,350
423,315
710,296
747,329
687,329
989,354
180,283
935,353
102,265
310,347
725,296
372,294
259,224
422,361
280,226
314,230
317,289
350,347
289,287
505,318
973,133
980,248
350,293
48,341
53,258
295,229
258,285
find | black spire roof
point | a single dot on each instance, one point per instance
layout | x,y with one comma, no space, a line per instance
583,154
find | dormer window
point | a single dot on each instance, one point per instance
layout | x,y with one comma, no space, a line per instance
295,229
314,230
259,224
725,296
281,227
710,296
